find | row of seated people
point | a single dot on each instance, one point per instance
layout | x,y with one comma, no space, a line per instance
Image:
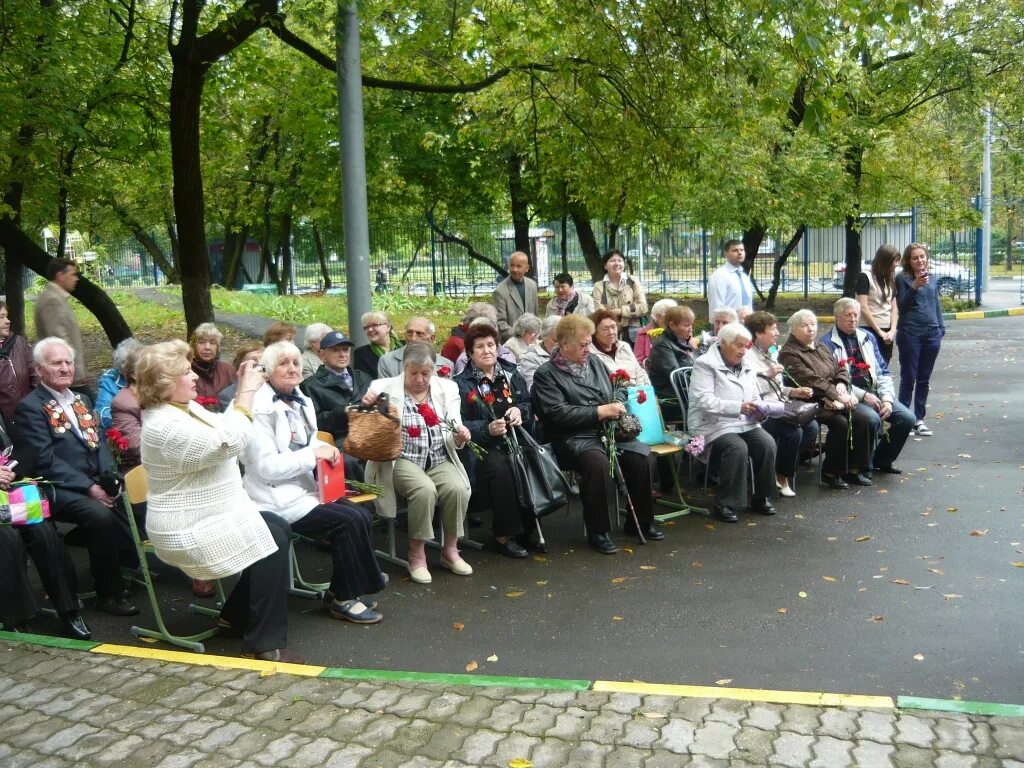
206,519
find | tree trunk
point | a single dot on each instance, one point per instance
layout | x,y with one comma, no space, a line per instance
67,168
565,243
520,210
752,239
14,270
321,257
94,298
286,252
854,168
588,241
779,265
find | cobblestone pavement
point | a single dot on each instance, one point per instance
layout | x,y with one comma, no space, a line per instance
62,708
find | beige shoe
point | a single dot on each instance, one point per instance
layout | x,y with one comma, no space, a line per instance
458,566
786,491
420,575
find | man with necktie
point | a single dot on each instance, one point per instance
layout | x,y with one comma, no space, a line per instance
729,287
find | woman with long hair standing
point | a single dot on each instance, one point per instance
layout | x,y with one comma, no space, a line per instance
876,293
919,332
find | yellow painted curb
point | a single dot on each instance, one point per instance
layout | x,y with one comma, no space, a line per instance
1015,311
809,698
969,315
202,659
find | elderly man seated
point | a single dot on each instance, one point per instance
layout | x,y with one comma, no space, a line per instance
726,407
871,382
416,329
719,319
57,438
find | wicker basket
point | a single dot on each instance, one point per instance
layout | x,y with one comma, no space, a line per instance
374,431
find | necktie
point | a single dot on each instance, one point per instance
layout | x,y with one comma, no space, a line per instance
744,296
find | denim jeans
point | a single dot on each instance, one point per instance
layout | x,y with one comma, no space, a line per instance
917,359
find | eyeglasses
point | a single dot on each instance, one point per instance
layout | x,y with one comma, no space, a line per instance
373,325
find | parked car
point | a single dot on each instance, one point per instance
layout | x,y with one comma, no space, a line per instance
952,278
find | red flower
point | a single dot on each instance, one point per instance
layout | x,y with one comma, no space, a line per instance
619,377
472,397
444,371
122,444
429,417
641,397
489,398
414,431
114,434
863,367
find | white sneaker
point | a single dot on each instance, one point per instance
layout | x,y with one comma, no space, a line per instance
922,429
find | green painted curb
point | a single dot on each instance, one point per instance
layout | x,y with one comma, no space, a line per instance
965,707
47,640
442,678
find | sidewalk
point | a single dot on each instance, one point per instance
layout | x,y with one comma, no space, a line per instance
71,707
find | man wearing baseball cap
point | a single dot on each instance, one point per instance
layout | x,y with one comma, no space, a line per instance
335,385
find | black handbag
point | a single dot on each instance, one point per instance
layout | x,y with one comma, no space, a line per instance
799,413
540,485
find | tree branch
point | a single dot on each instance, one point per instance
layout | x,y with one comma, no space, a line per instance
470,250
235,29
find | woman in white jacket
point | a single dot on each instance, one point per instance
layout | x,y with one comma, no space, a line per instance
428,471
198,516
280,459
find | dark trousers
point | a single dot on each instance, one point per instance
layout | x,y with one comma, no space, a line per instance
729,456
108,538
597,488
56,571
495,489
790,441
840,458
917,360
901,421
348,528
884,347
259,600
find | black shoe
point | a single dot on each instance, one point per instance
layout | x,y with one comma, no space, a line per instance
764,506
475,521
533,543
75,628
116,606
511,548
834,481
602,542
858,478
651,531
890,470
726,514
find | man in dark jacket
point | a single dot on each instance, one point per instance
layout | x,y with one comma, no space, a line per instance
57,438
335,386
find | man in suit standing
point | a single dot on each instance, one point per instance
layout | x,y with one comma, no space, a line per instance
729,287
515,295
57,438
54,316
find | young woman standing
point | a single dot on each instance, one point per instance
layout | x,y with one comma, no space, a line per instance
876,292
919,331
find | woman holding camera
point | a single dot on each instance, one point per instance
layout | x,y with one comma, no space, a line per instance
919,331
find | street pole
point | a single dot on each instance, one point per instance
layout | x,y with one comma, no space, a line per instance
353,168
986,202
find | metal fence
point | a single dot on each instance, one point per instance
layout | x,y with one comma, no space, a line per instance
673,257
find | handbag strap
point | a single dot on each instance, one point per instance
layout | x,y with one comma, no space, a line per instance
775,387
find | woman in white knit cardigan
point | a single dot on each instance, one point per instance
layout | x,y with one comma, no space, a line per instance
199,517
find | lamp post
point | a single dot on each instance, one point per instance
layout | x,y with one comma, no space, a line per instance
47,234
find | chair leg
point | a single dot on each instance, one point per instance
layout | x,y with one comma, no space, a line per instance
391,555
298,586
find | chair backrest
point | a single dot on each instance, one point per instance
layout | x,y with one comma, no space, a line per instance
680,379
136,484
325,437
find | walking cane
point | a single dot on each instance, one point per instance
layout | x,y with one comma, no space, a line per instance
620,483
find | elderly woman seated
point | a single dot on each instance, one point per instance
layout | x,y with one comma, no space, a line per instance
486,377
726,407
852,426
574,398
644,341
114,379
672,350
791,440
525,331
198,516
212,374
311,338
280,460
428,472
382,339
567,300
614,354
719,319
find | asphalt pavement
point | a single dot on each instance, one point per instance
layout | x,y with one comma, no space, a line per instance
912,587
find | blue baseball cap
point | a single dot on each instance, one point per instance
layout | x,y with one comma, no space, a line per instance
334,339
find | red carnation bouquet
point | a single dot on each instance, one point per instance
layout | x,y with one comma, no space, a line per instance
431,419
487,399
209,402
117,441
620,382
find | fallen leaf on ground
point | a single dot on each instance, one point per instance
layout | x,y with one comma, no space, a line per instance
458,626
1017,565
618,579
951,509
876,618
928,587
780,610
952,596
918,657
471,666
829,578
617,618
980,532
803,594
514,594
629,550
863,538
654,715
709,526
542,583
723,681
936,570
519,762
833,538
648,567
493,657
904,582
882,490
